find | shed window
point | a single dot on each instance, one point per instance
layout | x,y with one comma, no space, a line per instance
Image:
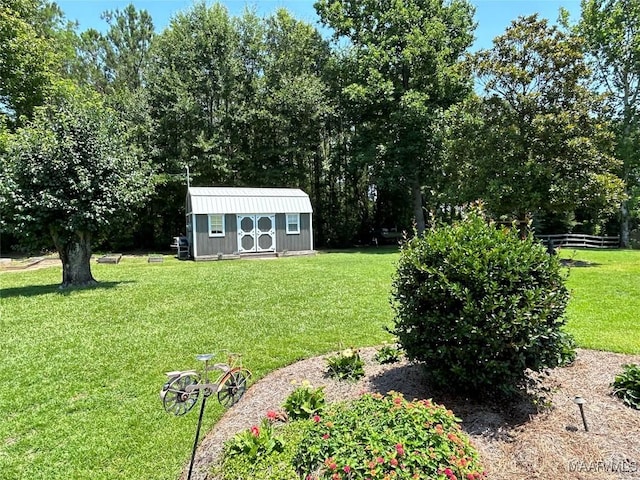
216,225
293,223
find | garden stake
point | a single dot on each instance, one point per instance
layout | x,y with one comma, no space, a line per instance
580,402
182,390
195,442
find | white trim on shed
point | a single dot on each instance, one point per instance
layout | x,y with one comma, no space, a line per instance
205,200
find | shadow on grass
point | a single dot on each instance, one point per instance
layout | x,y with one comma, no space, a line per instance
489,418
567,262
33,291
381,250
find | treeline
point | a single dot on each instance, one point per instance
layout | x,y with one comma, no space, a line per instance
395,125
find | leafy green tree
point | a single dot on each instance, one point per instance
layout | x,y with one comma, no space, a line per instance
191,88
407,73
611,29
117,60
66,176
290,107
36,45
535,144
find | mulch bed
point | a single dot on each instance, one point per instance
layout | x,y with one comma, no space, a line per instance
514,441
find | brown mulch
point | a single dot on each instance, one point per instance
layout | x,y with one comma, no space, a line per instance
514,441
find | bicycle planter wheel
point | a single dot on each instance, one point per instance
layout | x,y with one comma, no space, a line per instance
176,398
233,387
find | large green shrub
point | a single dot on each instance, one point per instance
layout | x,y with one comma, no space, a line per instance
480,305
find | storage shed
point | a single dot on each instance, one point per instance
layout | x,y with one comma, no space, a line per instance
225,222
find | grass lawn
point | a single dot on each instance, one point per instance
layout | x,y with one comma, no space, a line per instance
604,310
81,370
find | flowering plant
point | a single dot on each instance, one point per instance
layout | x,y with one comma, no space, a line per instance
346,365
380,437
305,401
255,442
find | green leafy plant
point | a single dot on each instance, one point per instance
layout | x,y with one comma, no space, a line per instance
256,442
388,354
304,402
380,437
277,465
627,385
346,365
480,305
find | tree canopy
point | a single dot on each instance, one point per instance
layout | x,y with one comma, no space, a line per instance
611,30
408,70
382,125
539,147
67,176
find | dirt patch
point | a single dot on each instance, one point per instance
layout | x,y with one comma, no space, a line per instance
25,264
514,440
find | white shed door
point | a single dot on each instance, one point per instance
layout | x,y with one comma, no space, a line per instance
257,233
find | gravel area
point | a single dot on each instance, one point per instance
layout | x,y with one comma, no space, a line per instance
514,441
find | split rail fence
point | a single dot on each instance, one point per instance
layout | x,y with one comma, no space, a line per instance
580,241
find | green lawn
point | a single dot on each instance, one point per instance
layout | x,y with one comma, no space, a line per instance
81,370
604,309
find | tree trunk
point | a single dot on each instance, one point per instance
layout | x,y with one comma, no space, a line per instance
418,211
624,224
75,254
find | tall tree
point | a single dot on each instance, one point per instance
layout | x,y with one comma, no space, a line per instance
36,44
291,105
66,176
611,29
191,83
540,148
117,60
408,72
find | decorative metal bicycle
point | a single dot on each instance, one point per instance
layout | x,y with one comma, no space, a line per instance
182,389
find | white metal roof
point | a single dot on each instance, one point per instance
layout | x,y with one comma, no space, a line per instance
248,200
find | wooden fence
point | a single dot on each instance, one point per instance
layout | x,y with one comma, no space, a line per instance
580,241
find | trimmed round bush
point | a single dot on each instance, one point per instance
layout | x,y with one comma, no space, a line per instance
480,305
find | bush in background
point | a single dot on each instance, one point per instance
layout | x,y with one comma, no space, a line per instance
480,305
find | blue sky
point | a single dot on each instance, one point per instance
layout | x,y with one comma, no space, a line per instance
492,16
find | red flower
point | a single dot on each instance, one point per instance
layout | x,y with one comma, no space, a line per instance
325,436
330,463
393,462
399,449
255,431
380,460
316,418
346,468
272,415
